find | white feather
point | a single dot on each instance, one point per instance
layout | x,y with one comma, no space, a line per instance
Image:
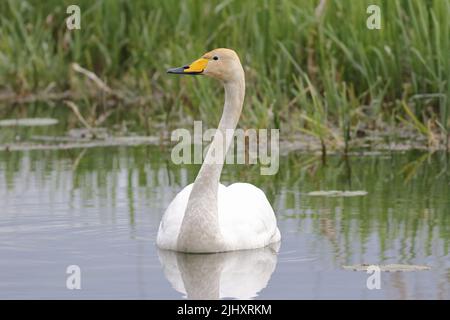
246,218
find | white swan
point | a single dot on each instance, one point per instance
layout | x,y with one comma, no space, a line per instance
206,216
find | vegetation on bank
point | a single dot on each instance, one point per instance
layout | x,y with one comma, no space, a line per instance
311,66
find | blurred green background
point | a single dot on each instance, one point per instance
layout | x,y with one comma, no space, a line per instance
311,66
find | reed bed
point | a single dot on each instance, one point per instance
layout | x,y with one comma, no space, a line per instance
311,67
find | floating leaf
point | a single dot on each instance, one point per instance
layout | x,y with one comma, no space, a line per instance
28,122
388,267
337,193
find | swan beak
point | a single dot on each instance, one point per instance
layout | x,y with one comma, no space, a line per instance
196,67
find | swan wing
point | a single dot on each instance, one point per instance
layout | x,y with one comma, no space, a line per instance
246,217
170,224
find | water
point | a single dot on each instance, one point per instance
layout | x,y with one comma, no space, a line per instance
100,209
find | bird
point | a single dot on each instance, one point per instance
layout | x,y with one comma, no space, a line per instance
207,216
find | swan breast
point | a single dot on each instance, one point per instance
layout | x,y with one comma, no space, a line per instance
246,218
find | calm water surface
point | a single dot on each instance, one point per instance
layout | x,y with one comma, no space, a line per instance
100,209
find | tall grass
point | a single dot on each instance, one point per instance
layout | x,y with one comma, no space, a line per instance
320,74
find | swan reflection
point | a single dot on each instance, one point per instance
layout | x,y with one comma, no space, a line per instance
234,274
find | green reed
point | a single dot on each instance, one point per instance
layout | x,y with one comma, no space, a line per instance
299,67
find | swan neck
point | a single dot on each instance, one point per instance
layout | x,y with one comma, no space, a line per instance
234,98
200,229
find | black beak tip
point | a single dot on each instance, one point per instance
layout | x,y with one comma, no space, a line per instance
179,70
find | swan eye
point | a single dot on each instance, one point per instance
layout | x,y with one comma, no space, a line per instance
215,58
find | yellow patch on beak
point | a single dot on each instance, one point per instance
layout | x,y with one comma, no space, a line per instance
197,66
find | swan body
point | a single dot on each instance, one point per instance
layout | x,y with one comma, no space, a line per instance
206,216
246,219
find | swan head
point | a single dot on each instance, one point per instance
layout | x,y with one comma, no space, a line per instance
222,64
